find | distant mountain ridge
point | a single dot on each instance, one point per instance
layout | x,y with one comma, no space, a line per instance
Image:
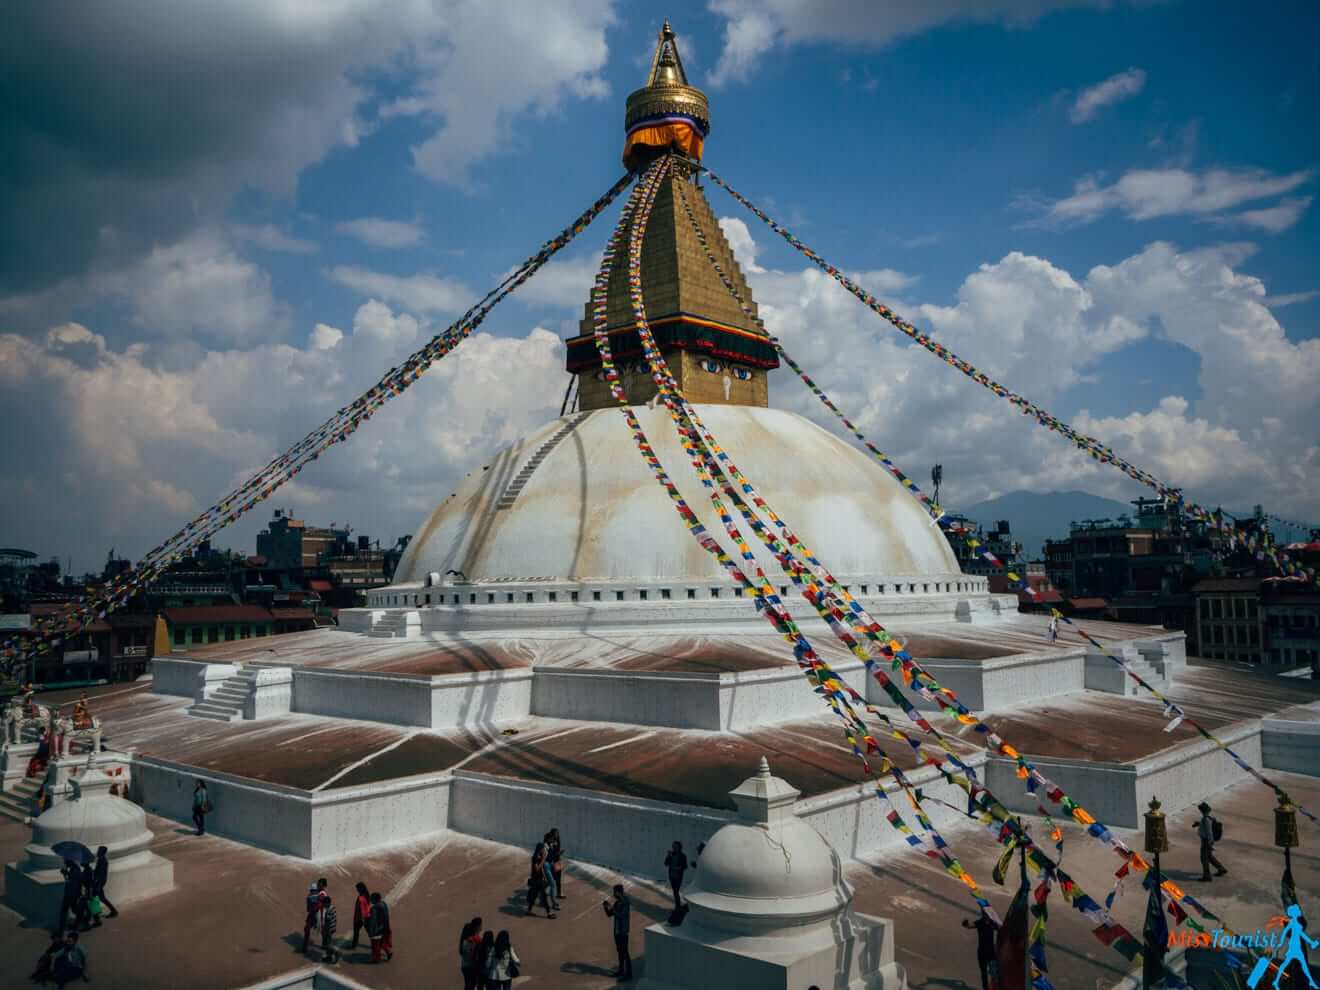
1038,516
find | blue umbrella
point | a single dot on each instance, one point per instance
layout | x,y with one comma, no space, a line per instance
75,851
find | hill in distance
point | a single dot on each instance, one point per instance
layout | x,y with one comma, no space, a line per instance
1038,516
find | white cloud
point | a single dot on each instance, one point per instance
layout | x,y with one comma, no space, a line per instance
379,232
488,66
324,337
421,293
742,244
271,238
1145,194
1115,89
1274,219
1041,330
1291,299
754,28
374,319
562,282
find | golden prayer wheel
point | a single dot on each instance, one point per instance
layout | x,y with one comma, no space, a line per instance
1157,832
1285,824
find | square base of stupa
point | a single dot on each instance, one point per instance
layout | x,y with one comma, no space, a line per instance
684,959
37,894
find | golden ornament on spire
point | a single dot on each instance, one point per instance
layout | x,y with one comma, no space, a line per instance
667,112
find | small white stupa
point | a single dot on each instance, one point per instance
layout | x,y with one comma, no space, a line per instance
771,910
93,817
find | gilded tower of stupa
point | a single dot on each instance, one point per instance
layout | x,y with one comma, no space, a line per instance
715,352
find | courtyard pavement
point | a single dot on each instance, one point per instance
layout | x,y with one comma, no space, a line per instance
235,917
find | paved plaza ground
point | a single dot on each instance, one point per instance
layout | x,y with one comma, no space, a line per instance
234,917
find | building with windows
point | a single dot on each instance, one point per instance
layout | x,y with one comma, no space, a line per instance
1254,620
290,544
196,626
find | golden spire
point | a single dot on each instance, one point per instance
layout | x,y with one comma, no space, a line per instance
667,110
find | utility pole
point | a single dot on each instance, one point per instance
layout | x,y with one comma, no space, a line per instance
936,476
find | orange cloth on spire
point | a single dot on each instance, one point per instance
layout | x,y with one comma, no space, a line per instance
687,137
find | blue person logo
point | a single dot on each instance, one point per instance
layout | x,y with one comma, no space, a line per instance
1293,936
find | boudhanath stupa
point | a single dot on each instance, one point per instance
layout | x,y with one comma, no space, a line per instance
556,649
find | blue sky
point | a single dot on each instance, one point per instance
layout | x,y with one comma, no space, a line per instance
219,228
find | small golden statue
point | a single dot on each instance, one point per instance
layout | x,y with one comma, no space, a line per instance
82,718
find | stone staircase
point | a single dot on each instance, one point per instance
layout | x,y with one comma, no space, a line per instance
396,623
519,481
227,701
1102,674
20,803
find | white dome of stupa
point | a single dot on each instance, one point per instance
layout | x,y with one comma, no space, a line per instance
769,870
574,501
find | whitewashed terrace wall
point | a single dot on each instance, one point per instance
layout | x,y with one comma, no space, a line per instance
1291,746
680,700
765,697
259,813
186,677
349,819
853,821
312,825
1192,771
623,833
1118,793
991,685
444,701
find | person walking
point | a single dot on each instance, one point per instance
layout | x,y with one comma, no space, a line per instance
70,962
620,910
1054,628
378,929
201,807
313,915
503,965
329,923
469,944
536,882
100,876
1209,830
555,854
986,929
361,911
72,892
89,905
676,863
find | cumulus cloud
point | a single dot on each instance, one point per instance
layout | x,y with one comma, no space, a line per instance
753,28
1115,89
422,293
118,451
1043,330
154,118
1146,194
379,232
562,282
741,243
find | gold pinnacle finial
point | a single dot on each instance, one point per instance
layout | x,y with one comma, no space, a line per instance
666,98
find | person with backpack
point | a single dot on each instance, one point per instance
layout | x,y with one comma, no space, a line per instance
329,923
503,966
378,929
1210,830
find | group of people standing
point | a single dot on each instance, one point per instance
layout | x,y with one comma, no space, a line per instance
370,914
486,960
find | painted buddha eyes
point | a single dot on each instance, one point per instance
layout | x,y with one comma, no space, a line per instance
711,365
742,374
